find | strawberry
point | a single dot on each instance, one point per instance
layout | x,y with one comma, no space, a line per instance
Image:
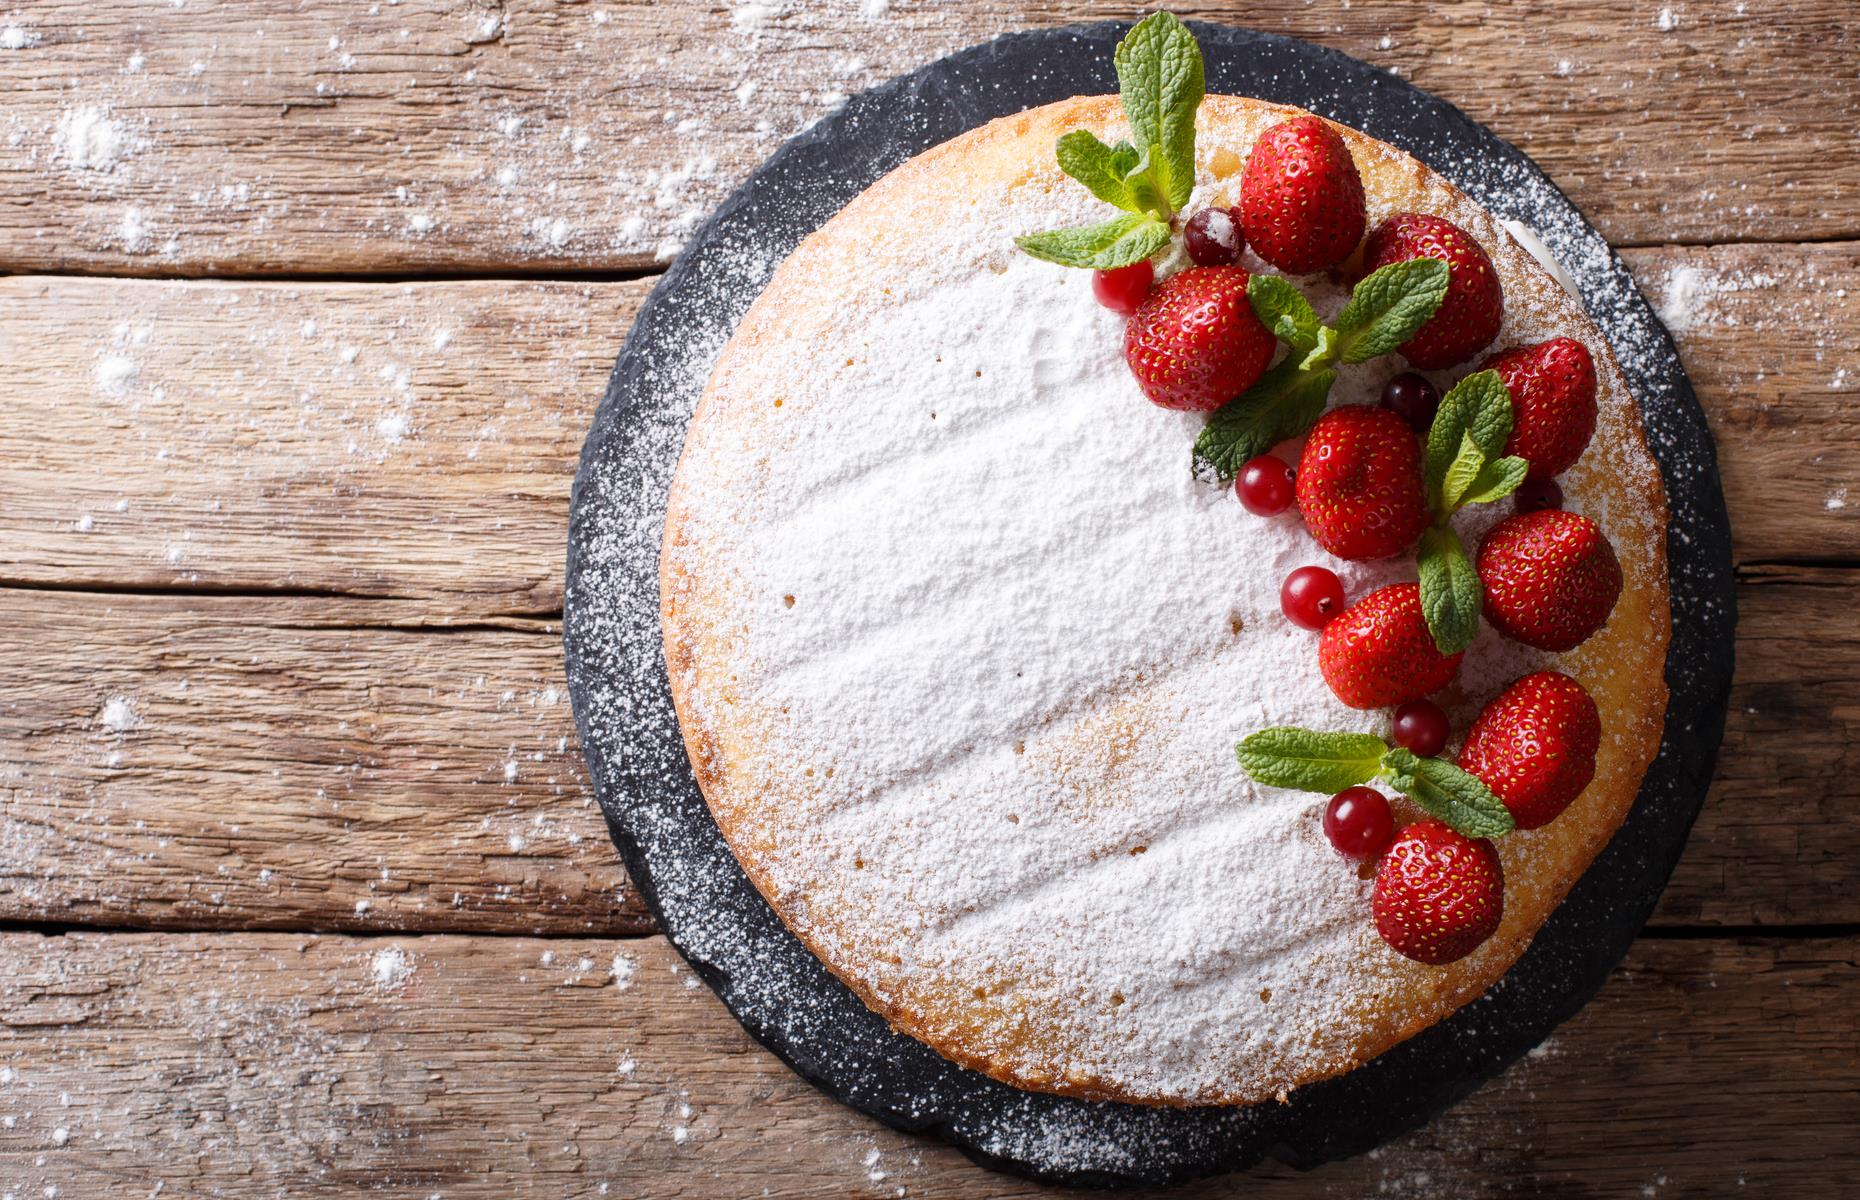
1535,745
1439,893
1474,308
1301,200
1552,402
1359,483
1194,343
1378,651
1550,578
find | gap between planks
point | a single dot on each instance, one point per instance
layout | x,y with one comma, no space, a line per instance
1652,931
267,1064
558,273
1810,572
305,775
561,274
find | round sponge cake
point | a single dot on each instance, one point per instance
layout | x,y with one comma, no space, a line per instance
961,649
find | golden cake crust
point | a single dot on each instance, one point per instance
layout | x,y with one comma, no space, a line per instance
1622,666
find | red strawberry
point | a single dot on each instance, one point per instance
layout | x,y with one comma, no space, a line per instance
1535,745
1301,200
1194,343
1475,305
1439,893
1552,402
1550,577
1378,651
1359,483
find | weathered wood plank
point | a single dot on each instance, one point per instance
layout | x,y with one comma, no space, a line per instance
260,1065
419,441
299,763
1792,743
1767,335
367,439
217,762
243,136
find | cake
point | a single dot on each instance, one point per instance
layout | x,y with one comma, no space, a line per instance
963,636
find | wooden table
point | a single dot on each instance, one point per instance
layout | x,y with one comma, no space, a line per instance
308,306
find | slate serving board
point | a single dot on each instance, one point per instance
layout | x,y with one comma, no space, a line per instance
728,933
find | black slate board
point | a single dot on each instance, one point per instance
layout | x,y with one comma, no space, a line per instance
730,936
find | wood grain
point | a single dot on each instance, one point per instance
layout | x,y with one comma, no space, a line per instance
343,708
260,1065
300,763
263,136
419,440
225,762
1767,334
1792,743
377,440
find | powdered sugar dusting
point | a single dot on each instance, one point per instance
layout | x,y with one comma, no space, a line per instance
115,373
90,140
119,715
1691,292
390,967
1024,684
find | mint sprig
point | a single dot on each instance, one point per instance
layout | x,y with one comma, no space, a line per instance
1459,798
1307,761
1384,310
1465,463
1467,442
1161,84
1285,403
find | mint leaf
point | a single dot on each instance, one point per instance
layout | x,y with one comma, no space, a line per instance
1289,757
1284,310
1388,306
1127,160
1114,243
1488,410
1444,439
1145,189
1477,411
1159,76
1323,351
1285,403
1496,480
1460,799
1450,590
1461,473
1099,167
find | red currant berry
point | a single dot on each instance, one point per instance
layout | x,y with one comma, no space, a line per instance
1213,238
1358,822
1122,289
1421,726
1265,485
1311,596
1412,398
1535,494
